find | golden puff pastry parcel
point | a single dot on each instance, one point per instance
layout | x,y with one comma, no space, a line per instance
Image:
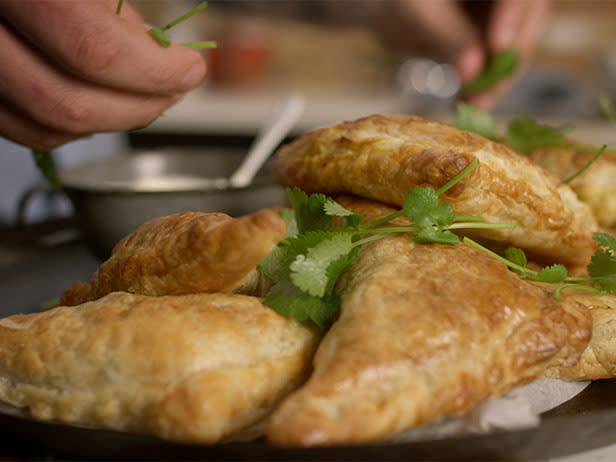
598,361
383,157
596,186
185,253
191,368
426,331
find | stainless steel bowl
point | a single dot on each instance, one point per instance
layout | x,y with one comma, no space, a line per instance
114,196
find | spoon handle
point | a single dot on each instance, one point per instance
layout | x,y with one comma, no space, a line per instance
269,137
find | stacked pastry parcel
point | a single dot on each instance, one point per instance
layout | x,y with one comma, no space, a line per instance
171,337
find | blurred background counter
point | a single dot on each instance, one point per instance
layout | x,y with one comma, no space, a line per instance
345,71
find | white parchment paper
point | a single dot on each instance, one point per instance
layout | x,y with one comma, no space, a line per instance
516,410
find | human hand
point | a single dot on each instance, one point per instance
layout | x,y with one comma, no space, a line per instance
72,68
465,34
515,24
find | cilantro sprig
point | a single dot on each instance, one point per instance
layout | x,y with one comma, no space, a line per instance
305,266
500,66
602,268
160,33
524,134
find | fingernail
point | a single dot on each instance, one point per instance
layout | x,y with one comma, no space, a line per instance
193,77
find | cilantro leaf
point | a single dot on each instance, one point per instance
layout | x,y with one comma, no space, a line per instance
471,119
329,306
421,206
276,265
289,300
309,211
338,266
273,265
516,255
309,271
288,216
525,135
605,240
500,66
553,274
333,208
430,235
602,266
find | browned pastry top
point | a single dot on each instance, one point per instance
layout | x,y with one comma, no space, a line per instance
193,368
186,253
596,186
425,331
383,157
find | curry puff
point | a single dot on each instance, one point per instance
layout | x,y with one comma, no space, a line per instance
598,361
383,157
596,186
186,253
425,332
191,368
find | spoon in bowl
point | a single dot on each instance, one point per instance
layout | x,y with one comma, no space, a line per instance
270,135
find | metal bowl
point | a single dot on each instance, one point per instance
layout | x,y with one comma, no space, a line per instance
114,196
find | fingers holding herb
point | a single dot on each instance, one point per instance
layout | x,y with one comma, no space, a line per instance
78,69
512,33
499,67
93,43
53,106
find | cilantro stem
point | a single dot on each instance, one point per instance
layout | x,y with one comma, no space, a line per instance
365,240
119,7
200,45
527,271
469,218
380,221
474,225
441,190
185,16
496,256
572,279
45,162
588,164
395,229
160,36
465,171
562,287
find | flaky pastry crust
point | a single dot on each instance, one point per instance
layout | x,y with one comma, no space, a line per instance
186,253
425,331
383,157
598,361
596,186
192,368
